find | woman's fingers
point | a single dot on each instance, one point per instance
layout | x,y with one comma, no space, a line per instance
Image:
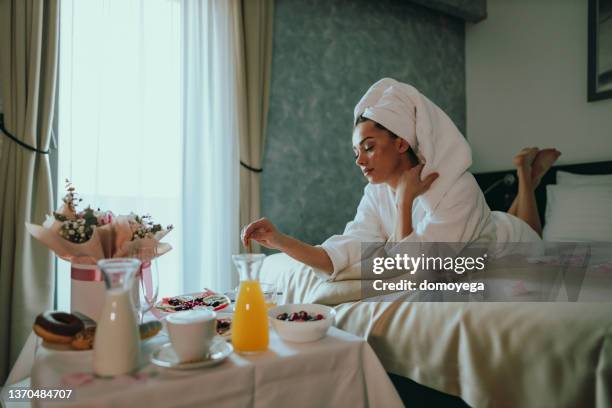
429,180
426,183
418,169
255,230
259,233
248,230
243,236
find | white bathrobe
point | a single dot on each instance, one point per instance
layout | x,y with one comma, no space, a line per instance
452,210
466,218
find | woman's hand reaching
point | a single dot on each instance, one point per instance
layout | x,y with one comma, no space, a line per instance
410,186
263,232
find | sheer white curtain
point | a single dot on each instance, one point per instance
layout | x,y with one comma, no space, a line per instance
146,120
213,117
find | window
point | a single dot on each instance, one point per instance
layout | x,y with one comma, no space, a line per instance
150,111
120,116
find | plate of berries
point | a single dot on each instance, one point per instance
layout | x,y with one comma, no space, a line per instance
199,300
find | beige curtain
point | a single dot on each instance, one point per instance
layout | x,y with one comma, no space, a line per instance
28,66
256,37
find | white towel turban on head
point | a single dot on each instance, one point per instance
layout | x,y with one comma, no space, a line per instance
433,136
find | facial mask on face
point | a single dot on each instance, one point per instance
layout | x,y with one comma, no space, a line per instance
433,136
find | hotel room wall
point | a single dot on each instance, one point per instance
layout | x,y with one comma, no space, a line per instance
326,53
526,84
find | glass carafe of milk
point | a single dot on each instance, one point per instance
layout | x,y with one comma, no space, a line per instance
117,342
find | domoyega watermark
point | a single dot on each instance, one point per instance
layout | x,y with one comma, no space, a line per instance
409,285
508,272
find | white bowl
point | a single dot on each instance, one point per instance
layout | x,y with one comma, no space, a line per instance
298,331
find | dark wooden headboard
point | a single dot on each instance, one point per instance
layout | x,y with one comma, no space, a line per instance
500,197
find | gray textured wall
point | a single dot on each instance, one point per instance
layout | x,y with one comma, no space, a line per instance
326,53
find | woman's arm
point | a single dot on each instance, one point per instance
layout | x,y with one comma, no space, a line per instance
265,233
403,228
310,255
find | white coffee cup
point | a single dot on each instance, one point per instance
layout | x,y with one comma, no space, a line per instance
191,333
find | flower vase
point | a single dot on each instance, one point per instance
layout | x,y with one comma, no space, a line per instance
87,290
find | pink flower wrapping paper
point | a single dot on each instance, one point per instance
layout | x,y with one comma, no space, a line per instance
113,237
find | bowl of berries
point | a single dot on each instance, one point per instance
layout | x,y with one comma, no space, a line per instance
302,323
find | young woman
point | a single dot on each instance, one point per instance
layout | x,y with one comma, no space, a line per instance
419,189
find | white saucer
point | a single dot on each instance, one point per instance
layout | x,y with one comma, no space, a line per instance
166,357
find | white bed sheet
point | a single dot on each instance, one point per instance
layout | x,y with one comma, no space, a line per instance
489,354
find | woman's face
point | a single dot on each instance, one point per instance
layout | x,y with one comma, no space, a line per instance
377,153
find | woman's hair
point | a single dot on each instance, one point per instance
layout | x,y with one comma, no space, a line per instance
414,160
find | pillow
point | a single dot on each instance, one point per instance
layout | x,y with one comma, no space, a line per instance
571,179
578,213
301,284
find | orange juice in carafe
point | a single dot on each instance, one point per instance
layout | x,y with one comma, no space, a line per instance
250,321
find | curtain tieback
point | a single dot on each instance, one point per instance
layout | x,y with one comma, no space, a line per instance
19,142
253,169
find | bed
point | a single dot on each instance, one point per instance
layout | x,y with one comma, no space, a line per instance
492,354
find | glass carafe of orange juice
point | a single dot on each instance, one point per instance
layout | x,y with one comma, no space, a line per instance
250,321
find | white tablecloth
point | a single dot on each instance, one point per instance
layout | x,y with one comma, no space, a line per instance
339,370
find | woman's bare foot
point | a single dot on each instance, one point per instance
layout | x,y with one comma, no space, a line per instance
524,159
542,163
523,162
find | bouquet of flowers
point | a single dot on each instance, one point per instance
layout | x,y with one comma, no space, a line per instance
89,235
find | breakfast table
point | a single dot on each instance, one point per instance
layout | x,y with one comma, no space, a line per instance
339,370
